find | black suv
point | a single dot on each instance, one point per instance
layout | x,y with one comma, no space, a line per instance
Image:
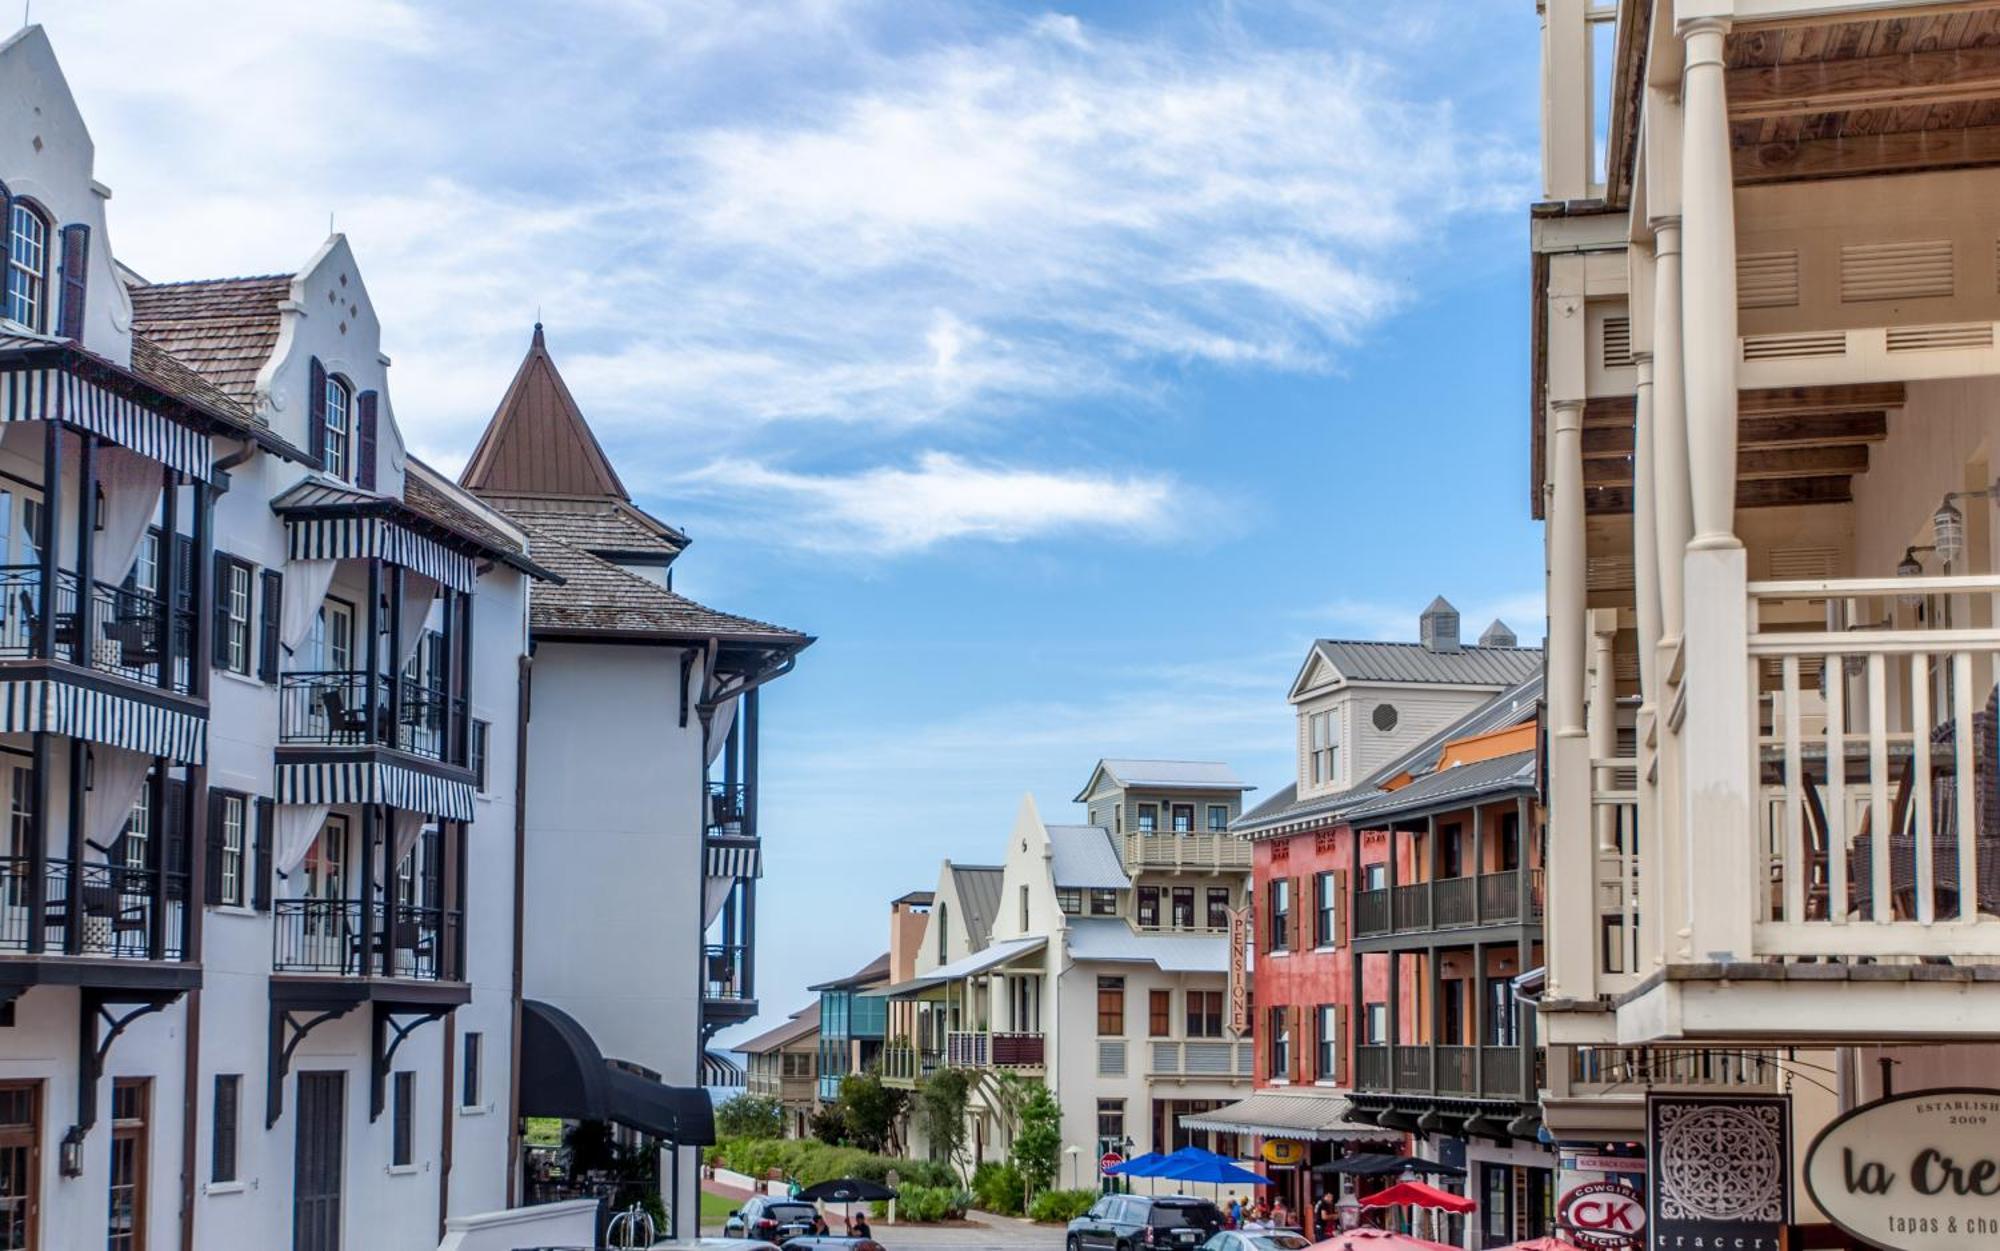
1130,1222
769,1218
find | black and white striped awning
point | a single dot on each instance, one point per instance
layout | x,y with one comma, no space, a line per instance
45,705
55,394
720,1070
734,858
365,538
373,782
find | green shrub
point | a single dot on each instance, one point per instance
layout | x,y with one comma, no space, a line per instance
1061,1206
998,1188
923,1204
806,1162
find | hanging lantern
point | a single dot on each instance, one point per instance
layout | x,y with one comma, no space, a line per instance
1910,567
1948,532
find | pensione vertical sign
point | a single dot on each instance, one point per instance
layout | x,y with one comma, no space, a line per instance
1718,1172
1239,972
1916,1172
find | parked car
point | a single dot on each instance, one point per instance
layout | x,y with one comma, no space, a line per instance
834,1242
770,1219
716,1244
1257,1240
1129,1222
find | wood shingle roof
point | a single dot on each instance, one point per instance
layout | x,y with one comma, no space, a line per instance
222,328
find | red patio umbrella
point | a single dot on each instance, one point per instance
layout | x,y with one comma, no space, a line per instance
1416,1194
1547,1243
1371,1239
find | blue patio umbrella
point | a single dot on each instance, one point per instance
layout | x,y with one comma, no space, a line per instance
1212,1169
1138,1165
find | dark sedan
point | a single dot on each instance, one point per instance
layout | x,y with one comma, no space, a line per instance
773,1220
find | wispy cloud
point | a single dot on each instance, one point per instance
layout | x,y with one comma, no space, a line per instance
943,498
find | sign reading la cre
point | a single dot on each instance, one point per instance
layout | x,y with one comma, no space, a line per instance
1915,1172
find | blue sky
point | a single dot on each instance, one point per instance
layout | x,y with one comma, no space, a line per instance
1064,369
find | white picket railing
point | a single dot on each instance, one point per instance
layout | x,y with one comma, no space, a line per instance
1875,757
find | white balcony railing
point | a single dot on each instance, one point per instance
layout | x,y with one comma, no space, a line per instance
1167,849
1615,826
1876,764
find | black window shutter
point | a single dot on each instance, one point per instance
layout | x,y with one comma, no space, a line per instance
213,887
364,440
267,625
221,625
316,410
75,279
173,828
260,897
183,573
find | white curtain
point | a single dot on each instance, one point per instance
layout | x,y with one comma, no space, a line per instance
418,592
132,487
117,777
718,729
306,584
298,825
714,891
408,825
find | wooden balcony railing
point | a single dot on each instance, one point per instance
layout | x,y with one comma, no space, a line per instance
976,1049
1457,1070
1371,913
1448,903
1170,850
1371,1067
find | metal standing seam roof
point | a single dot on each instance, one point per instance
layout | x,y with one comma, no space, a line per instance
538,442
979,898
1112,940
1085,859
1362,661
876,970
1501,773
1205,775
1274,1114
966,966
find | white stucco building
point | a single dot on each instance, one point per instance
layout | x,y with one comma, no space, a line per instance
266,684
1096,958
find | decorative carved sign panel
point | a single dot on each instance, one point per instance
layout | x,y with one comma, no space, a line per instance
1239,971
1718,1170
1917,1172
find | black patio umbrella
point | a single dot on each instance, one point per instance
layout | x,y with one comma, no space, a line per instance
845,1191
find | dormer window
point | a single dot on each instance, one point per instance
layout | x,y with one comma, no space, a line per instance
1324,730
27,267
339,422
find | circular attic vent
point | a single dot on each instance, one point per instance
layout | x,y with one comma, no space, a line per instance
1384,717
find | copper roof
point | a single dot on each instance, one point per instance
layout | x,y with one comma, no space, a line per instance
222,328
538,442
598,597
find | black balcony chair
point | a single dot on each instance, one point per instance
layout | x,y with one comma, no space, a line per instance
415,937
342,721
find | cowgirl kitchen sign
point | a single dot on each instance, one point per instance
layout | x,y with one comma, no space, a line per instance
1917,1172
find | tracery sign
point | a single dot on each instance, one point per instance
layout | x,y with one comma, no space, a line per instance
1718,1171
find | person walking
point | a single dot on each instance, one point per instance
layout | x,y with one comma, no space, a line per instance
1235,1212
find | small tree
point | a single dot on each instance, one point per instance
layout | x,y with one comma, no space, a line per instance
828,1125
1038,1143
941,1109
750,1116
870,1112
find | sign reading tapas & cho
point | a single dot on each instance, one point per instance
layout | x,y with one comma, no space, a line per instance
1915,1172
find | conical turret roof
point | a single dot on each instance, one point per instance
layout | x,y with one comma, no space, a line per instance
538,442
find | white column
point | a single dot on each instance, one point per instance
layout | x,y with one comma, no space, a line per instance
1673,518
1708,277
1570,870
1645,531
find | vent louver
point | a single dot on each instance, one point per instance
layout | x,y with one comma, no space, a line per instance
1941,338
1792,347
1794,564
1608,573
1617,342
1895,271
1767,280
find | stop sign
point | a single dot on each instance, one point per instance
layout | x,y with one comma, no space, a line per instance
1108,1161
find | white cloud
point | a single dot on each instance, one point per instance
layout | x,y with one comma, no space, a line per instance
943,498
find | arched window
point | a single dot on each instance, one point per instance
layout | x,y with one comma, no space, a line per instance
339,425
27,266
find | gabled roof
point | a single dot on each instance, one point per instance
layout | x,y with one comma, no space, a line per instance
1357,660
1111,939
1084,859
876,970
538,442
599,598
225,329
603,527
979,896
802,1024
1189,775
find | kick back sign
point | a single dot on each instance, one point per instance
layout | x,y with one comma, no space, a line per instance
1917,1172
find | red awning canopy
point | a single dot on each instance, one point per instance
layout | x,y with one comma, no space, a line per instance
1418,1194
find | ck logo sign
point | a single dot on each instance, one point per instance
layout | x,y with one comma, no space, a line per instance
1603,1216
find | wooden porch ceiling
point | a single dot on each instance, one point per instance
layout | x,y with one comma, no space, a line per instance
1812,98
1795,445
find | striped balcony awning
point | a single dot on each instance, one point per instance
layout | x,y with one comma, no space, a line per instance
52,706
719,1070
734,857
367,538
374,781
57,394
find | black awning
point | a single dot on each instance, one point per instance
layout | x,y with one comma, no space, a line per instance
1366,1164
563,1074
